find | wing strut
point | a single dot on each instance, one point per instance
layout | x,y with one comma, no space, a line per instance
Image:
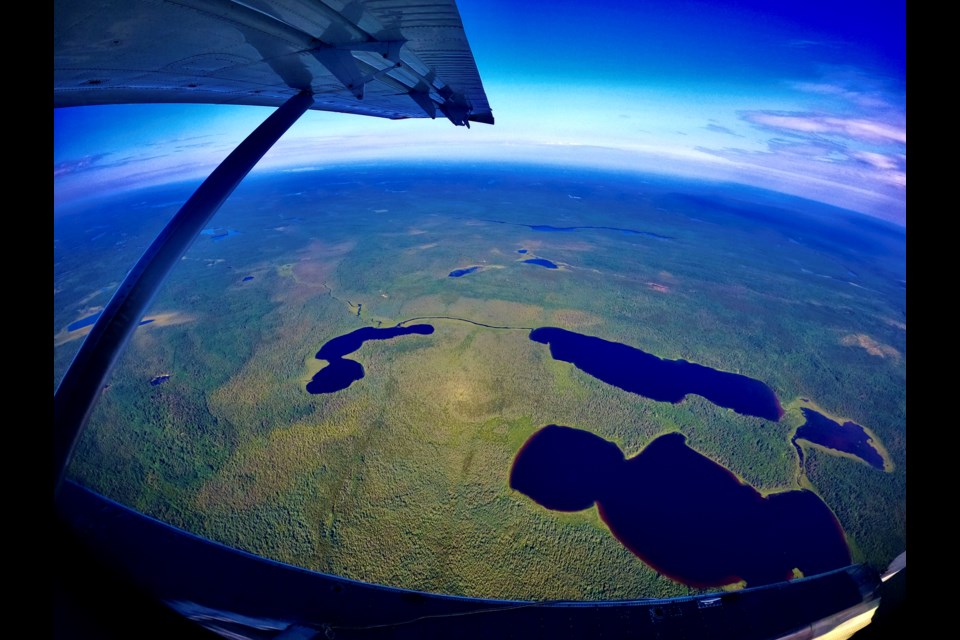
81,385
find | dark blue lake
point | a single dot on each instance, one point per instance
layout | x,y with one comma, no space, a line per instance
546,228
459,273
848,437
89,320
84,322
159,379
521,250
543,262
549,228
647,375
219,233
340,373
680,512
247,278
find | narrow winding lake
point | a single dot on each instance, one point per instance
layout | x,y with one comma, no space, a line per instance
341,372
89,320
549,228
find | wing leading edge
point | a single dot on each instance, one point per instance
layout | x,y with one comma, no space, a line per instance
383,58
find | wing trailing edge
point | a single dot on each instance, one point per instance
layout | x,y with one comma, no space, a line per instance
381,58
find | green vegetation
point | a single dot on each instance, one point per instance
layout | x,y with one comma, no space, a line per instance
402,478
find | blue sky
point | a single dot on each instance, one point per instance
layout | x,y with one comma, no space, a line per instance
808,98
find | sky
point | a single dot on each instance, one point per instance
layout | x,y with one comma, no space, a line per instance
806,98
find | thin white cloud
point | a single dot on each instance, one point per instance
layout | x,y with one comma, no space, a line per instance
894,178
822,87
878,160
70,167
721,129
863,97
832,177
806,44
856,128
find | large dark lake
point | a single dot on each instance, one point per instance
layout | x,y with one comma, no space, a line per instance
647,375
848,437
683,514
340,373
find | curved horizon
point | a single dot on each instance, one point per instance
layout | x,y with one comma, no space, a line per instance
791,98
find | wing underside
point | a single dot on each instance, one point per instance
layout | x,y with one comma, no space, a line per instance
385,58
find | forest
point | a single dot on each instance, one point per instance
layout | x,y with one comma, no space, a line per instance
402,478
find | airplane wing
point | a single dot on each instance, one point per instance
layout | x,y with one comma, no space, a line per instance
382,58
385,58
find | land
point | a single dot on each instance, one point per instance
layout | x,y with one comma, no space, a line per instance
402,478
